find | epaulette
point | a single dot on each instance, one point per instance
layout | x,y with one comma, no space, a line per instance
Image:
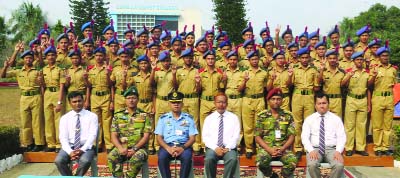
157,69
90,67
201,70
220,71
367,70
349,70
134,74
395,67
188,115
164,116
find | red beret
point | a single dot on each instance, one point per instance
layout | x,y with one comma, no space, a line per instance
274,92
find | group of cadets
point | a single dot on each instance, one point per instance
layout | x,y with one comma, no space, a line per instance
357,77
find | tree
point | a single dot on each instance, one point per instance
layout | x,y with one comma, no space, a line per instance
385,24
231,17
57,29
26,22
84,11
3,35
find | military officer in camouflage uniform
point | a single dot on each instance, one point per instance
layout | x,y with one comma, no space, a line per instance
130,132
274,135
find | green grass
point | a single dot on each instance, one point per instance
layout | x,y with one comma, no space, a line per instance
9,106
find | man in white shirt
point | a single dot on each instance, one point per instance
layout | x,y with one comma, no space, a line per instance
78,131
220,134
323,138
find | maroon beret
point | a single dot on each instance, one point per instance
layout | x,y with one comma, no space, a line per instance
274,92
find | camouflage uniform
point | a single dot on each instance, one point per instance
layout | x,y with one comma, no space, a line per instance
130,130
266,125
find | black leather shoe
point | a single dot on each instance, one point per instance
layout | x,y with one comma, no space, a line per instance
249,155
387,152
57,150
378,153
349,153
362,153
298,155
37,148
49,149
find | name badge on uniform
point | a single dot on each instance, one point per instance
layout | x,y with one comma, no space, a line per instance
178,132
277,134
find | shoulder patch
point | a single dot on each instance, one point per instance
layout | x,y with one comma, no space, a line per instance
395,67
220,70
201,70
90,67
349,70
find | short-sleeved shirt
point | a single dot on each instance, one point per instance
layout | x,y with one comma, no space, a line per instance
332,80
163,78
142,83
282,76
27,79
176,130
63,60
345,63
235,79
358,83
117,76
257,82
385,79
186,80
88,60
77,83
53,76
98,78
305,78
211,83
130,127
266,126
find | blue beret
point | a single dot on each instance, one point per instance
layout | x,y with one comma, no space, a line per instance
304,34
108,27
153,43
86,25
365,29
304,50
123,51
50,49
279,52
143,58
182,34
26,53
333,31
129,31
348,43
131,91
158,26
287,31
313,34
87,40
100,49
176,38
35,41
331,52
232,53
357,54
248,42
210,31
221,34
165,34
320,43
164,55
142,31
209,52
70,30
266,40
265,29
61,36
382,50
74,52
293,44
44,31
128,42
187,52
189,33
203,38
112,41
374,42
249,28
252,53
225,43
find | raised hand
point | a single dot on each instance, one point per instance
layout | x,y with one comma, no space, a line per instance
290,71
278,29
246,76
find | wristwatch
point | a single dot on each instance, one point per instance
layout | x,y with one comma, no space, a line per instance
135,148
59,102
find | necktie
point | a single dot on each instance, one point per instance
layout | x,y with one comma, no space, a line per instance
77,143
322,136
221,131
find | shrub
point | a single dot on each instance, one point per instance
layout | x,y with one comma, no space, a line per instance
9,144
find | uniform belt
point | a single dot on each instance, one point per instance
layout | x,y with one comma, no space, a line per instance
234,96
334,95
165,98
193,95
356,96
101,93
30,93
120,92
255,96
52,89
147,100
303,92
383,93
208,98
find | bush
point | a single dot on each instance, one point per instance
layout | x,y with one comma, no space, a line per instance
9,144
396,153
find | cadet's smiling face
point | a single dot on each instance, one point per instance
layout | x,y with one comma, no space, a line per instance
321,51
335,39
188,60
144,65
28,59
114,48
348,51
304,59
51,57
63,44
303,41
189,40
288,38
332,60
225,50
364,38
109,34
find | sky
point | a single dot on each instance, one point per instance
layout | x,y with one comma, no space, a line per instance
323,14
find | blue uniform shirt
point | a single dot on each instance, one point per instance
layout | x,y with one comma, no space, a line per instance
176,130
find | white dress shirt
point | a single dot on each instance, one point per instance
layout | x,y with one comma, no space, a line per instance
231,130
89,126
334,131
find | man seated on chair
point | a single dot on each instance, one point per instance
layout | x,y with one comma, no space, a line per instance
130,132
220,134
78,131
323,138
176,133
274,135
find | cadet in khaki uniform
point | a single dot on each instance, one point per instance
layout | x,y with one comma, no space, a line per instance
143,38
305,82
348,50
29,81
76,76
287,36
373,47
363,35
211,80
313,37
268,51
54,95
224,48
186,84
357,106
100,96
165,40
247,34
279,78
291,54
176,51
112,54
201,47
320,50
274,135
334,36
122,78
162,78
189,38
303,39
88,58
253,100
130,132
330,77
63,60
153,50
382,79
